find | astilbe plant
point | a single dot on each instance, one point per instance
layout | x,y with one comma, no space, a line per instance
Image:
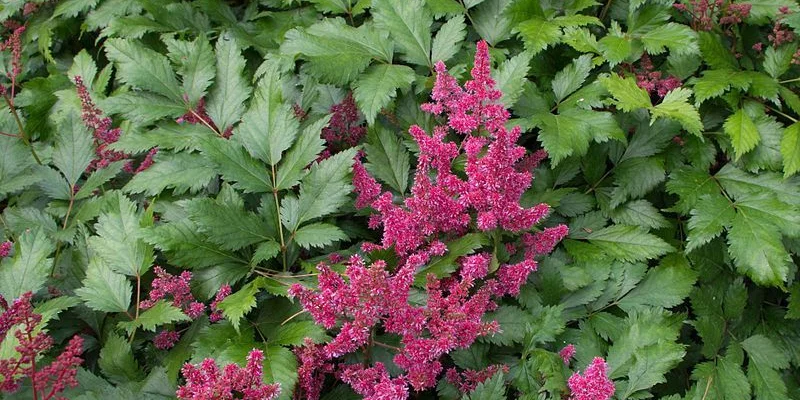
48,381
206,381
372,297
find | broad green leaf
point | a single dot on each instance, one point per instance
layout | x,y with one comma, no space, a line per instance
538,34
615,49
226,101
679,38
84,66
629,97
738,183
181,172
161,313
117,361
629,243
675,106
715,82
338,53
690,185
235,306
30,267
637,212
572,77
266,251
228,225
325,189
564,134
409,23
98,178
195,65
353,7
763,351
665,285
143,68
142,108
303,152
723,380
183,244
511,77
268,127
105,290
635,177
715,53
742,131
448,39
237,165
790,149
280,366
491,22
71,8
318,235
757,250
117,241
388,158
713,214
778,60
378,85
73,149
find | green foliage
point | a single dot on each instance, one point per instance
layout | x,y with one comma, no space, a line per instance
680,267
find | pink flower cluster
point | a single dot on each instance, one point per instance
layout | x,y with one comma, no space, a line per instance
442,206
344,130
653,81
781,33
594,384
5,248
205,381
48,381
104,135
178,288
14,45
198,115
567,353
468,380
705,13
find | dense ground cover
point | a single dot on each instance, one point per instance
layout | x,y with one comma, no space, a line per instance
383,199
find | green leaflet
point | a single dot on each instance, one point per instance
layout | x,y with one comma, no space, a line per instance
30,267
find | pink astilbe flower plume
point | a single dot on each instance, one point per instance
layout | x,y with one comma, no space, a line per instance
5,248
205,381
373,296
594,384
49,380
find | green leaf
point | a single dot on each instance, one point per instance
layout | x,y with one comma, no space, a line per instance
98,178
30,267
301,155
445,265
723,380
280,366
161,313
650,366
268,127
742,131
615,49
629,97
690,185
493,388
226,101
73,148
738,183
195,62
448,39
763,351
105,290
181,172
564,134
142,108
71,8
388,158
228,225
117,241
715,53
266,251
183,244
757,251
324,190
713,214
777,61
538,34
318,235
143,68
378,86
117,361
338,53
409,23
629,243
235,306
84,66
511,77
790,149
680,39
675,105
716,82
236,165
666,285
637,212
635,177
